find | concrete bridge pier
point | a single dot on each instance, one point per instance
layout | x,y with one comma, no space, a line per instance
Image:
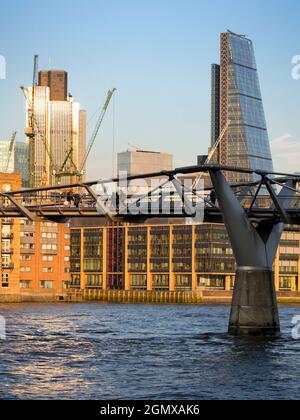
254,308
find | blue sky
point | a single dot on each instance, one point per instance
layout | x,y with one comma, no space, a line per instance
157,54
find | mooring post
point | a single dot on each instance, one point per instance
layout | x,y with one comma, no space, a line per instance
254,309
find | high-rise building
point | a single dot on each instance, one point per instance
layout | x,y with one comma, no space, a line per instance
60,133
237,101
57,81
15,160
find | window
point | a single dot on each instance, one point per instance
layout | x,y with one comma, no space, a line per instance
6,188
27,235
67,248
47,270
5,280
27,247
94,281
46,235
25,284
138,282
49,247
48,258
25,269
25,257
46,284
160,282
183,282
67,259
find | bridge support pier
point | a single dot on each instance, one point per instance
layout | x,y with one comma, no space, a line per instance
254,308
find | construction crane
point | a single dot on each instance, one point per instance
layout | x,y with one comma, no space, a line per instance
212,152
30,130
10,151
31,134
79,171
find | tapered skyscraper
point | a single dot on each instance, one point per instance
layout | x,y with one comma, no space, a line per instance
237,108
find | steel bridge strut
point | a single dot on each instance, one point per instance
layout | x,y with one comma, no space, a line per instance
254,307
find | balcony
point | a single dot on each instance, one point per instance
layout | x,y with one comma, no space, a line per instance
9,236
9,266
7,251
7,222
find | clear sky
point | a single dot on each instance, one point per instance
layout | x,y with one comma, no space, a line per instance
157,53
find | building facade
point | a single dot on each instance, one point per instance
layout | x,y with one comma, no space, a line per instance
10,242
167,257
15,160
44,258
57,82
237,105
141,162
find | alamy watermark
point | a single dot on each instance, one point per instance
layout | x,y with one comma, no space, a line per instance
2,328
296,67
2,67
296,329
152,197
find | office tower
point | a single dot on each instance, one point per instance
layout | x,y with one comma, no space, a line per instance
57,81
10,244
15,160
236,98
60,132
139,162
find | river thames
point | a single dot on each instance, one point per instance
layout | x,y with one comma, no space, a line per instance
103,351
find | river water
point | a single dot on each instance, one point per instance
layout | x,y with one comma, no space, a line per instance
104,351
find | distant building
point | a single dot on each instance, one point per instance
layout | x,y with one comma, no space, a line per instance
141,162
15,160
57,81
237,100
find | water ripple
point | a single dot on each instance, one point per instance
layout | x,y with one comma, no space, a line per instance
141,352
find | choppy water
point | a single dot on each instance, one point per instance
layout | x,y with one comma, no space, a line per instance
100,351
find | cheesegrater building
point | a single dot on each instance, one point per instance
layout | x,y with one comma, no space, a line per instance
237,107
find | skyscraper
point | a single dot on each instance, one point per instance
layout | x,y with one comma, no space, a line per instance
60,131
237,103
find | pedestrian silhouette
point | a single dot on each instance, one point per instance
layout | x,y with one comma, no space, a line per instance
213,197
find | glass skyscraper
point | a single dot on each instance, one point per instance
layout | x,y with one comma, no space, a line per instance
237,104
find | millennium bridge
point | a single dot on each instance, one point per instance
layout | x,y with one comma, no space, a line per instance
255,211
